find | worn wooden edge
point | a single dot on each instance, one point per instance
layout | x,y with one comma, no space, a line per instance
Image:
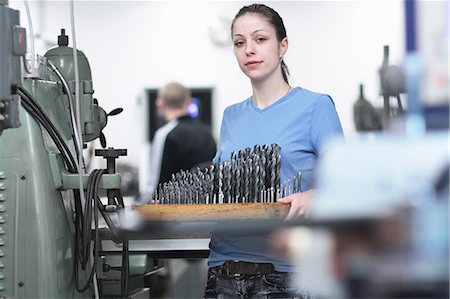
212,212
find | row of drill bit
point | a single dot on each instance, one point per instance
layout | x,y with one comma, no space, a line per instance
251,175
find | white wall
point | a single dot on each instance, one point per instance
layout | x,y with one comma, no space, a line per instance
131,46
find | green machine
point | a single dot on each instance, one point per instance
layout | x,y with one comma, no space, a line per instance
48,248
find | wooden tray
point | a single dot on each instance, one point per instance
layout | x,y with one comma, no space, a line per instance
212,212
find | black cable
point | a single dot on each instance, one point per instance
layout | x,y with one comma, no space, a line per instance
78,221
26,96
91,191
52,134
39,114
125,270
36,107
87,223
92,206
120,199
82,244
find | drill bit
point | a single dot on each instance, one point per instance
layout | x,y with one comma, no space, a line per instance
233,181
248,151
225,184
220,177
238,181
257,193
288,187
257,150
229,183
233,156
299,182
246,182
272,170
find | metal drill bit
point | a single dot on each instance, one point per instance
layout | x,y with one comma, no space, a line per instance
265,148
277,170
240,154
251,178
165,193
248,151
196,196
206,186
288,187
160,194
262,163
299,182
257,150
272,170
225,181
220,177
256,184
229,182
171,192
174,191
155,196
278,192
233,156
238,182
201,178
247,180
233,180
212,182
294,184
188,193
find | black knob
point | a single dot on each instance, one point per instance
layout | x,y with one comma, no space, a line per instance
63,39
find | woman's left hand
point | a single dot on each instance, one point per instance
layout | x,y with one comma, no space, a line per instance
300,203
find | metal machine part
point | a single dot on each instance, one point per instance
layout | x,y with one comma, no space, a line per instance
365,115
39,212
12,47
392,84
113,194
93,117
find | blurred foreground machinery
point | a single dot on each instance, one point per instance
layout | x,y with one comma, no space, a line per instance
379,225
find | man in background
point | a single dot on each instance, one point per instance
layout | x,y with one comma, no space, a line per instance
184,143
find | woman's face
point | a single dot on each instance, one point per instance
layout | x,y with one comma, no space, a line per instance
256,47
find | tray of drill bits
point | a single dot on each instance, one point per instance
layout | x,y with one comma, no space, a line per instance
245,187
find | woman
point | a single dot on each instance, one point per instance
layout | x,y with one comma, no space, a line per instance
296,119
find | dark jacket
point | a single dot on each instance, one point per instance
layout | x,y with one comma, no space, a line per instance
189,145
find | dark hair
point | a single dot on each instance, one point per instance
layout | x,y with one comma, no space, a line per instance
273,18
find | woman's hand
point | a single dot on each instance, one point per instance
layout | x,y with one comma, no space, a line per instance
300,203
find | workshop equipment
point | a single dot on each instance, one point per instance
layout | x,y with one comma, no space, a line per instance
45,223
12,47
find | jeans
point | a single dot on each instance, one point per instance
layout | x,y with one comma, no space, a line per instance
274,285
